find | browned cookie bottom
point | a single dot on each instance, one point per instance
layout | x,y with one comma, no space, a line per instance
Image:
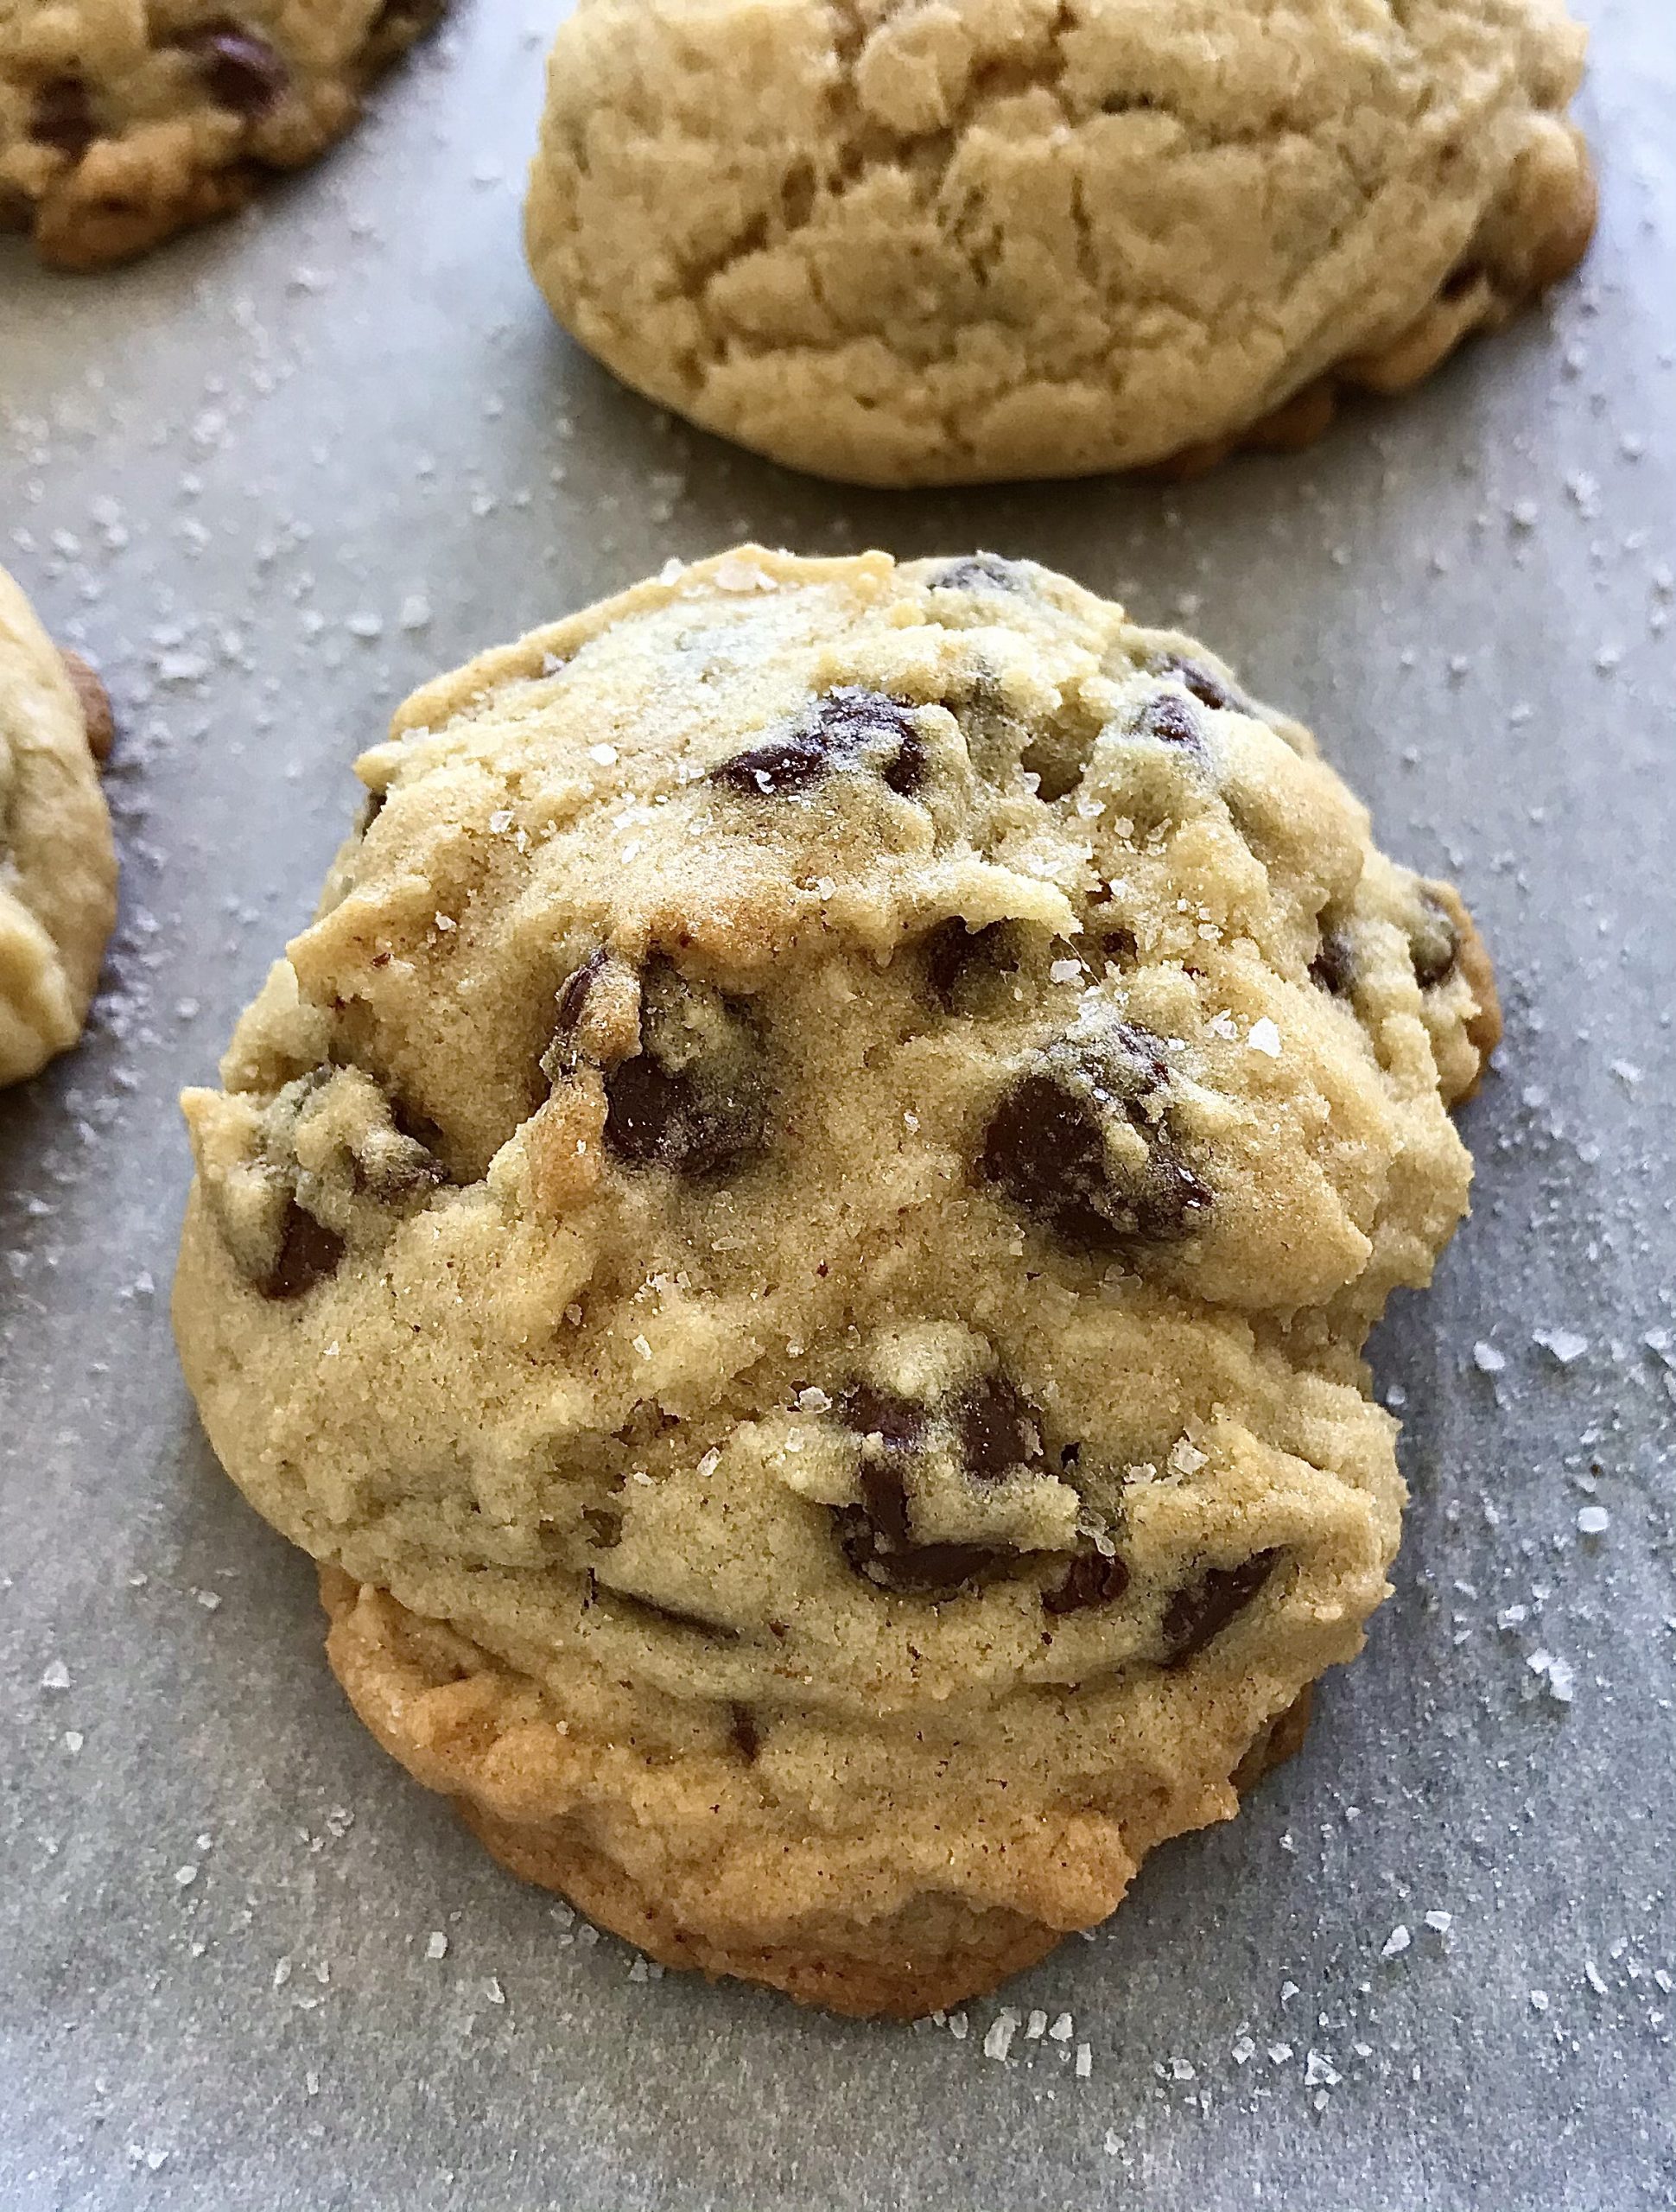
934,1955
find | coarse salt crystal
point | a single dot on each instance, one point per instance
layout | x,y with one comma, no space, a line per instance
55,1675
606,755
1487,1359
1396,1942
436,1944
1563,1343
998,2039
1593,1521
1060,2030
1440,1922
1084,2066
1036,2026
1064,971
1265,1038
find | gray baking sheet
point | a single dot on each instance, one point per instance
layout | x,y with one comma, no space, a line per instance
276,474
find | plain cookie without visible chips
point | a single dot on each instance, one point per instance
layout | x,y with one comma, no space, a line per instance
58,869
125,121
967,240
796,1238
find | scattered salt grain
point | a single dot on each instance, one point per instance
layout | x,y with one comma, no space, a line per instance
55,1675
999,2040
436,1944
1265,1038
495,1993
1597,1980
1593,1521
1539,2000
1084,2066
1320,2073
1396,1942
1562,1344
1487,1359
416,611
1440,1922
604,755
1064,971
1036,2026
1559,1675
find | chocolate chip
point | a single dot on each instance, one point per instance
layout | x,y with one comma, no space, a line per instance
839,731
1045,1145
240,71
1172,721
1434,941
1206,687
1092,1579
875,1539
783,765
996,1427
308,1252
898,1422
1198,1615
978,572
961,964
1121,946
574,991
1334,968
692,1098
62,115
744,1733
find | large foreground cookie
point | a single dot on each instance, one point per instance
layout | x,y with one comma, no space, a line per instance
123,123
796,1238
985,239
58,869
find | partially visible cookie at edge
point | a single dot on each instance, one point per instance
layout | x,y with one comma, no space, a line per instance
58,868
121,126
988,240
796,1239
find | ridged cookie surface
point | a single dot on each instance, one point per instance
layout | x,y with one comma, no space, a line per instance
971,239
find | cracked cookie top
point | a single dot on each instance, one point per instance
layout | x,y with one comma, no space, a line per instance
58,871
937,241
829,1155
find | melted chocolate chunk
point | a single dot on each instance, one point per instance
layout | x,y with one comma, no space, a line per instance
1206,687
574,992
1334,968
744,1733
692,1098
876,1542
898,1422
308,1253
1091,1579
1198,1615
1172,721
1045,1146
62,116
996,1427
978,572
960,964
1434,942
841,730
240,71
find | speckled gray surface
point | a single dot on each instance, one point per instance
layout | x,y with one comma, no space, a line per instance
269,480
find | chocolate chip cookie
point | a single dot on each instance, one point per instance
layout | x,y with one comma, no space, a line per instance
58,870
795,1237
123,123
999,239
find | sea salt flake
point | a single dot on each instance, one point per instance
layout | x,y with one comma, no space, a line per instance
1083,2066
436,1944
55,1675
1487,1359
1244,2050
999,2040
1440,1922
1265,1038
1319,2072
1064,971
1539,2000
1564,1344
1036,2026
1593,1521
604,755
1396,1942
